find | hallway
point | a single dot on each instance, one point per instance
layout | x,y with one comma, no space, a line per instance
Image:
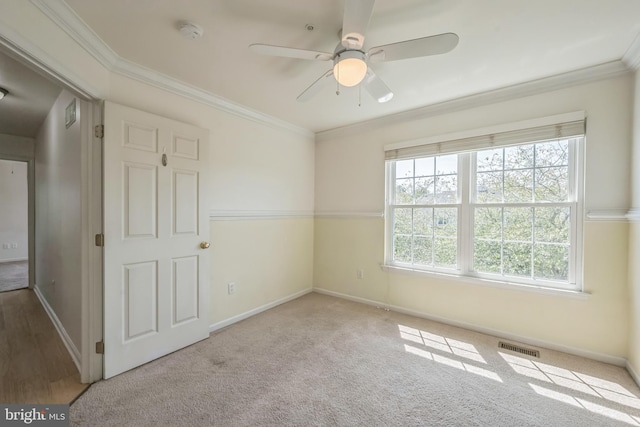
14,275
35,366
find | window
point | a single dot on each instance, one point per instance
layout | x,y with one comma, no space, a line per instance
507,213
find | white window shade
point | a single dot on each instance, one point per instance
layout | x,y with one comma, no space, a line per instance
566,129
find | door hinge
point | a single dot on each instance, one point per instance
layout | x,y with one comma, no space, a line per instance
99,239
98,131
100,347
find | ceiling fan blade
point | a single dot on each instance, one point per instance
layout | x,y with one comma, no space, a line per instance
355,21
425,46
290,52
315,87
376,87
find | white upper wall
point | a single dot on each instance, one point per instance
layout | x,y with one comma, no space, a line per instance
350,169
13,211
254,167
58,228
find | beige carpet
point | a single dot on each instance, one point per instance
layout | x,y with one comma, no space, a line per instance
14,275
320,361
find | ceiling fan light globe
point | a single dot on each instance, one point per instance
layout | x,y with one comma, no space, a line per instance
350,68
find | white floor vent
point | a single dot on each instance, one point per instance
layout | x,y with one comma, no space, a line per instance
518,349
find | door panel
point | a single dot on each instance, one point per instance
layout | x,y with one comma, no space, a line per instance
156,296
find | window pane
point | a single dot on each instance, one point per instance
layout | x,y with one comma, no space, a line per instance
404,191
404,168
423,250
552,225
447,189
402,248
425,190
518,224
552,184
518,186
445,252
402,221
446,222
489,160
551,262
517,259
423,222
487,257
554,153
489,187
488,223
447,164
519,157
425,167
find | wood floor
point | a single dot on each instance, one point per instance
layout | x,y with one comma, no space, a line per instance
35,366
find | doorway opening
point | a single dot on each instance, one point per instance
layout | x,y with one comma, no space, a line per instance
14,225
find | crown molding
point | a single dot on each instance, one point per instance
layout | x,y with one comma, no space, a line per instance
547,84
631,57
66,18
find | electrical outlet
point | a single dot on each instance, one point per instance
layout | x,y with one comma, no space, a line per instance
5,246
53,283
14,246
360,274
231,288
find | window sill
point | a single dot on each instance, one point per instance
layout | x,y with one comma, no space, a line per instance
518,287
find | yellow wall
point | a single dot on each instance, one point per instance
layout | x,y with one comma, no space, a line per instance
267,259
634,242
596,325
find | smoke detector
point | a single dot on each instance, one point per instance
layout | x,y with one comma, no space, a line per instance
190,30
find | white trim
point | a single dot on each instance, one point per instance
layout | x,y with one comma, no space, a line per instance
477,281
66,18
608,215
66,339
230,321
40,60
13,260
633,215
349,215
491,130
613,360
633,372
561,81
631,57
215,215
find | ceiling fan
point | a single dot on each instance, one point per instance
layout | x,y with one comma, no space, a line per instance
351,61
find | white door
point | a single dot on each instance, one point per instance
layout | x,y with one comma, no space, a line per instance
156,274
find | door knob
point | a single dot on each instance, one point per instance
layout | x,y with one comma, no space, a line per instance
205,245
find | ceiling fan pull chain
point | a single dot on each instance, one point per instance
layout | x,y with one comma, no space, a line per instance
359,95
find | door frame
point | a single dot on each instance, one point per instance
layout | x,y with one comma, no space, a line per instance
12,44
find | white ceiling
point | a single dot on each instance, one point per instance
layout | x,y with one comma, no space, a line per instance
502,43
30,98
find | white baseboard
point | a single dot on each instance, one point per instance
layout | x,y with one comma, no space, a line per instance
632,372
613,360
13,260
246,315
66,339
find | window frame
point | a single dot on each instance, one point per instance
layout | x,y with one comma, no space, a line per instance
465,224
